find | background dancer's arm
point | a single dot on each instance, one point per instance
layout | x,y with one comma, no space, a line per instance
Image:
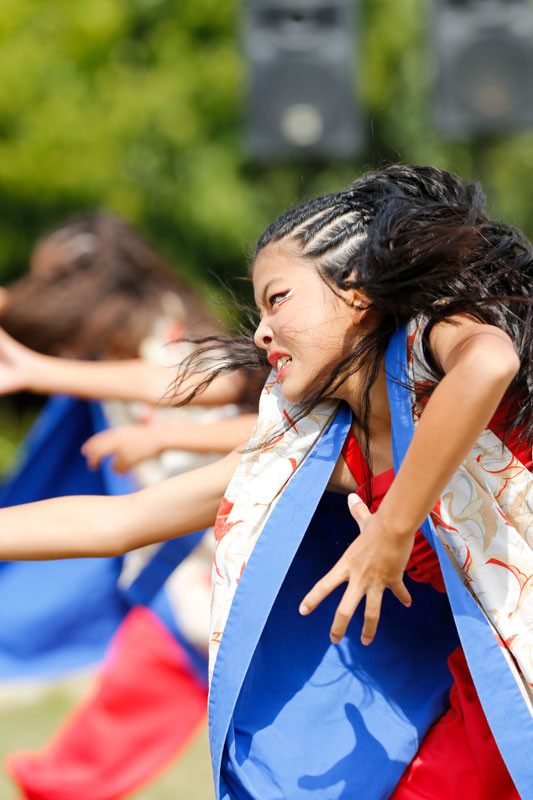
130,444
69,527
22,369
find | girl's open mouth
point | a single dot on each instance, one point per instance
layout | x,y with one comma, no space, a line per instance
282,366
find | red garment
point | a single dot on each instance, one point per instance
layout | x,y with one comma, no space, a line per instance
423,564
458,759
146,709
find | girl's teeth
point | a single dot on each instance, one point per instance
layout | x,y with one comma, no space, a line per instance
282,362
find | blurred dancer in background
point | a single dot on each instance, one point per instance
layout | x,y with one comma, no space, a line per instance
97,291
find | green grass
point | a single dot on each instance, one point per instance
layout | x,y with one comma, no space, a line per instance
27,722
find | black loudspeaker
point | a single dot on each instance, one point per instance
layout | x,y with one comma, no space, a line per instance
484,54
301,96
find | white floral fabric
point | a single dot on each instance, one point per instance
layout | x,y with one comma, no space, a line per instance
278,446
484,519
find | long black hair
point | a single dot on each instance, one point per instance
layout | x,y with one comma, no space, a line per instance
417,241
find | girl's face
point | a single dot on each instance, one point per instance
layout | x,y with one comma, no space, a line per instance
305,328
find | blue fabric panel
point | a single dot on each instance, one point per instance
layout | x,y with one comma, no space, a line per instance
502,701
51,453
150,580
294,716
262,579
326,722
58,615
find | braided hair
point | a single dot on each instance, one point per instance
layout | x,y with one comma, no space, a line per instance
416,241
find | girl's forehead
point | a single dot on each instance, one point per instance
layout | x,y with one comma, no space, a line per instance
274,264
277,256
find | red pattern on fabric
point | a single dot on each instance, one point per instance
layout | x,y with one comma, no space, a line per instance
458,759
146,708
516,442
222,526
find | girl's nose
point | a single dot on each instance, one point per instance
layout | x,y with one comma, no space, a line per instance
263,335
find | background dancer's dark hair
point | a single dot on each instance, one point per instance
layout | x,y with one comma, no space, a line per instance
416,241
96,286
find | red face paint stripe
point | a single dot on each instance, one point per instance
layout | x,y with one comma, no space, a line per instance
287,297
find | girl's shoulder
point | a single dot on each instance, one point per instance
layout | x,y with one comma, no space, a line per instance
448,341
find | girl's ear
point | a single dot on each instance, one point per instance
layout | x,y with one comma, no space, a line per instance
360,304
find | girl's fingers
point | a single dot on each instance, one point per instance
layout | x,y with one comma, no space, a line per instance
119,465
345,611
96,449
321,590
96,437
91,447
358,509
372,612
401,593
93,458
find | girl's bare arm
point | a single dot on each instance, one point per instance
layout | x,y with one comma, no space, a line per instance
22,369
68,527
479,362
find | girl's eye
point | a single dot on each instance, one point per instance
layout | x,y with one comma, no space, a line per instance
276,299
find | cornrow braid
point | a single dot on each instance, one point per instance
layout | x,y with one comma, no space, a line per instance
417,241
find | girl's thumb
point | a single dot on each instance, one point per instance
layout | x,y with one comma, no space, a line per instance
358,509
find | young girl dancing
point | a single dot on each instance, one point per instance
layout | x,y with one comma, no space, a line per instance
396,318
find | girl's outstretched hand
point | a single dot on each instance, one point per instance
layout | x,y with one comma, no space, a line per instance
374,561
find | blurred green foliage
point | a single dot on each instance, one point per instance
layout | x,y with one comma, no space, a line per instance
135,106
16,419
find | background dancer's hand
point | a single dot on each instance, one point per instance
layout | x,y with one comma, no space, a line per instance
127,445
374,561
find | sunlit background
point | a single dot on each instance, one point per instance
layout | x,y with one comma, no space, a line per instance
200,121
